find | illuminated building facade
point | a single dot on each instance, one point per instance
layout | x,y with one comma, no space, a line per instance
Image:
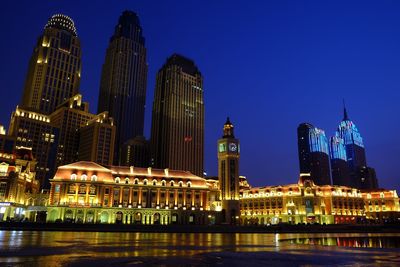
313,152
177,130
69,117
381,205
136,152
228,173
123,80
54,68
361,175
89,193
96,142
306,202
18,186
34,130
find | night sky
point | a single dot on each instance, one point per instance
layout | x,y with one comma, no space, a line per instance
269,65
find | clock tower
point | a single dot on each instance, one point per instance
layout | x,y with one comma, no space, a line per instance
228,174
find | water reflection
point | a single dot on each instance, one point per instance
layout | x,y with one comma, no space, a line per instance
19,248
355,242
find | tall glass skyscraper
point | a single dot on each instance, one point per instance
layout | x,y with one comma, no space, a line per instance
123,80
55,66
177,130
360,175
353,142
314,153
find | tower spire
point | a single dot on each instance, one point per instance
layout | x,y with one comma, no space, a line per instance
345,116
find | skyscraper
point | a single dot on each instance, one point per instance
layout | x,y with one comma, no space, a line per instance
34,130
97,138
361,175
339,166
313,151
123,80
353,142
177,131
69,117
54,68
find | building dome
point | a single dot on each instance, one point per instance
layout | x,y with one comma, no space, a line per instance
62,22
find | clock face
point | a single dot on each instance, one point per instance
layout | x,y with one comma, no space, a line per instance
232,147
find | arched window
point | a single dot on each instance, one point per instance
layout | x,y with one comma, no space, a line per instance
154,182
117,180
172,183
189,184
163,183
136,181
94,178
180,184
127,180
73,177
145,182
83,177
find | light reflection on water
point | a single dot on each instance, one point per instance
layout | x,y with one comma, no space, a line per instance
18,248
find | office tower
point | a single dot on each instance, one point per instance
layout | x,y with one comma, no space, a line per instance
69,117
366,178
313,153
97,139
339,166
353,142
228,173
55,67
123,80
177,131
34,130
136,152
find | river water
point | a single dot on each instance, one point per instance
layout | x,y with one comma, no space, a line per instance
24,248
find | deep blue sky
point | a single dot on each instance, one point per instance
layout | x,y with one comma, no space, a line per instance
269,65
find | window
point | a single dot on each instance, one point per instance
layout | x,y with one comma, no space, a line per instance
172,183
82,189
163,183
92,190
73,177
154,182
117,180
126,180
180,184
136,181
71,189
83,177
145,182
93,178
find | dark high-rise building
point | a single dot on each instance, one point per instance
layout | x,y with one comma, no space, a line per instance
353,142
361,175
123,80
97,139
69,117
313,153
136,152
54,68
34,130
177,131
366,178
339,166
